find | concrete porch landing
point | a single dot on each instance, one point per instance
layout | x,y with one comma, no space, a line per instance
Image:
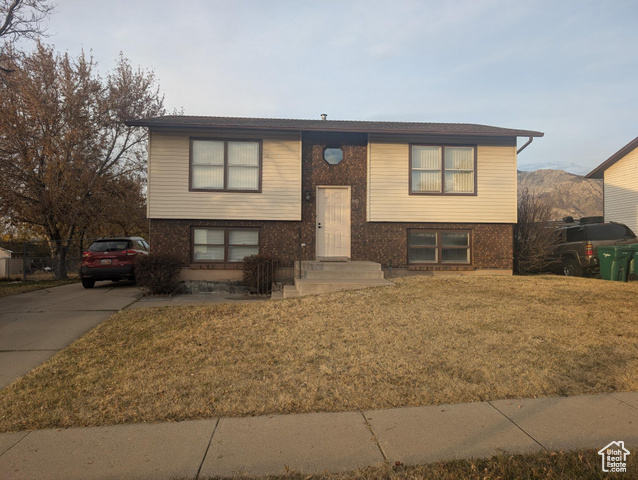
324,276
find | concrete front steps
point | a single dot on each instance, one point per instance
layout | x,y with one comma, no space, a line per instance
323,277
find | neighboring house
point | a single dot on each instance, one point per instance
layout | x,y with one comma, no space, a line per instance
620,185
420,196
9,265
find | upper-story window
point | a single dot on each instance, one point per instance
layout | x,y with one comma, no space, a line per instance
438,169
333,156
226,165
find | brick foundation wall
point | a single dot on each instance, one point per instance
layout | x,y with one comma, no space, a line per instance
385,243
381,242
491,247
277,239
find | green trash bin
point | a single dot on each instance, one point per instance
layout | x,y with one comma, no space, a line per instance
614,262
633,263
620,270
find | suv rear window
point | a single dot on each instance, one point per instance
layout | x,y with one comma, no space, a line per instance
109,246
575,234
609,231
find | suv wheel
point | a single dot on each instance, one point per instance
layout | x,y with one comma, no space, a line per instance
571,268
88,283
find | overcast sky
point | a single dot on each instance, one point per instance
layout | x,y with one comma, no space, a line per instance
566,68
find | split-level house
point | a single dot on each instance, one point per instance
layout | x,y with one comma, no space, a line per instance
620,185
414,196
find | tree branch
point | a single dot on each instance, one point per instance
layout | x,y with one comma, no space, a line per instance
8,21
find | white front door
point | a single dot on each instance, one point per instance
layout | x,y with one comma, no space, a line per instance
333,222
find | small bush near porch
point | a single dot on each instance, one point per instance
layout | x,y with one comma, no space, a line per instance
427,340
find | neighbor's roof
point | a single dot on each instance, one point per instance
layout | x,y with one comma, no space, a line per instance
176,121
600,169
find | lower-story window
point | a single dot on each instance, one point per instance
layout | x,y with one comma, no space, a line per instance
438,247
224,244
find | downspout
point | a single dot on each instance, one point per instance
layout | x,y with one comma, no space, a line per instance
531,139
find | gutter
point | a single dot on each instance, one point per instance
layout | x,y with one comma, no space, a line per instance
531,139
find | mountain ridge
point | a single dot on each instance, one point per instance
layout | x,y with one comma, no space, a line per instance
568,193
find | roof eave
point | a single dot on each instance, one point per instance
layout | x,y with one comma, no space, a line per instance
328,128
599,171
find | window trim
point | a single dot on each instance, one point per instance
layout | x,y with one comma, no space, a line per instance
440,248
328,147
227,246
443,146
226,168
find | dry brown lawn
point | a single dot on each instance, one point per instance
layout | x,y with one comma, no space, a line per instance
13,288
427,340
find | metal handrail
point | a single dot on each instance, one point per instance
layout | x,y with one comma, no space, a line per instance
265,276
270,273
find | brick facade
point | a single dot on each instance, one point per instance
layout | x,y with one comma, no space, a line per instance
385,243
381,242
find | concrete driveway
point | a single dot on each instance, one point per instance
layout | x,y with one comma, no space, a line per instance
35,325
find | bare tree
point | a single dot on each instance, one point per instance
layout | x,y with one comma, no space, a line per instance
20,19
66,157
535,235
121,212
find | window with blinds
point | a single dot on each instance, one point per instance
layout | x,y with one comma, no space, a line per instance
437,169
438,247
426,169
224,244
225,165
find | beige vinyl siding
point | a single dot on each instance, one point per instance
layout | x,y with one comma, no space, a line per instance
168,170
389,199
621,191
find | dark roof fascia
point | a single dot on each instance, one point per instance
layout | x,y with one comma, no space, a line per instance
335,127
599,171
349,130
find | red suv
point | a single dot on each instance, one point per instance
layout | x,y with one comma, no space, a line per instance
111,259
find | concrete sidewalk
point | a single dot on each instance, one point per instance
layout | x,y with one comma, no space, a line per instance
313,443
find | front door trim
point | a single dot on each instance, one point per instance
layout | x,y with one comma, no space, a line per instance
321,231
